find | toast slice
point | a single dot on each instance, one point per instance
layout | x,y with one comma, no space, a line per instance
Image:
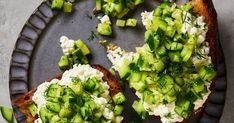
24,101
206,9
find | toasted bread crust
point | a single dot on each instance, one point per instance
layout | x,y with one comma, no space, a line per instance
24,101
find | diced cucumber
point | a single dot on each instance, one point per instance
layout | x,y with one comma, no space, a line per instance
53,99
84,60
98,5
166,11
150,40
80,44
149,97
192,96
45,115
119,98
187,7
186,53
119,7
68,92
84,112
178,38
118,109
174,56
130,4
184,108
138,86
170,31
77,87
57,4
157,11
131,22
124,70
7,113
199,85
150,80
77,54
66,111
139,108
64,63
158,65
104,29
177,14
207,72
98,115
90,85
92,105
77,119
67,98
124,12
161,50
54,90
67,7
170,99
120,23
32,109
137,2
176,46
179,81
161,24
180,111
55,119
165,80
55,107
135,77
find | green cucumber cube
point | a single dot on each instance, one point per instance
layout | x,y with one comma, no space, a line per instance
131,22
67,7
120,23
57,4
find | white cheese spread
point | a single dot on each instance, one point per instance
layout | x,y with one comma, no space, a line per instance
67,45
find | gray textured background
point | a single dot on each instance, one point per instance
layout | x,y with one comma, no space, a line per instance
14,13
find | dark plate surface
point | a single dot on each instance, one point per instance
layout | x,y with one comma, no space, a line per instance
37,52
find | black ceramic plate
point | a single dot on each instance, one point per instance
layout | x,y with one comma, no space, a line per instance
37,52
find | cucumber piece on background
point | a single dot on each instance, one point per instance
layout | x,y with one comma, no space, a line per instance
57,4
7,113
67,7
80,44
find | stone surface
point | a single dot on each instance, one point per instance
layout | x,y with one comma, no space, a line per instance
14,14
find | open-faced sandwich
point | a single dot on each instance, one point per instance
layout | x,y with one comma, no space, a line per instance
83,94
173,72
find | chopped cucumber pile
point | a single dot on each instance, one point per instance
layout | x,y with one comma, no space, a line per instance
116,8
80,102
7,113
173,70
74,52
66,6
